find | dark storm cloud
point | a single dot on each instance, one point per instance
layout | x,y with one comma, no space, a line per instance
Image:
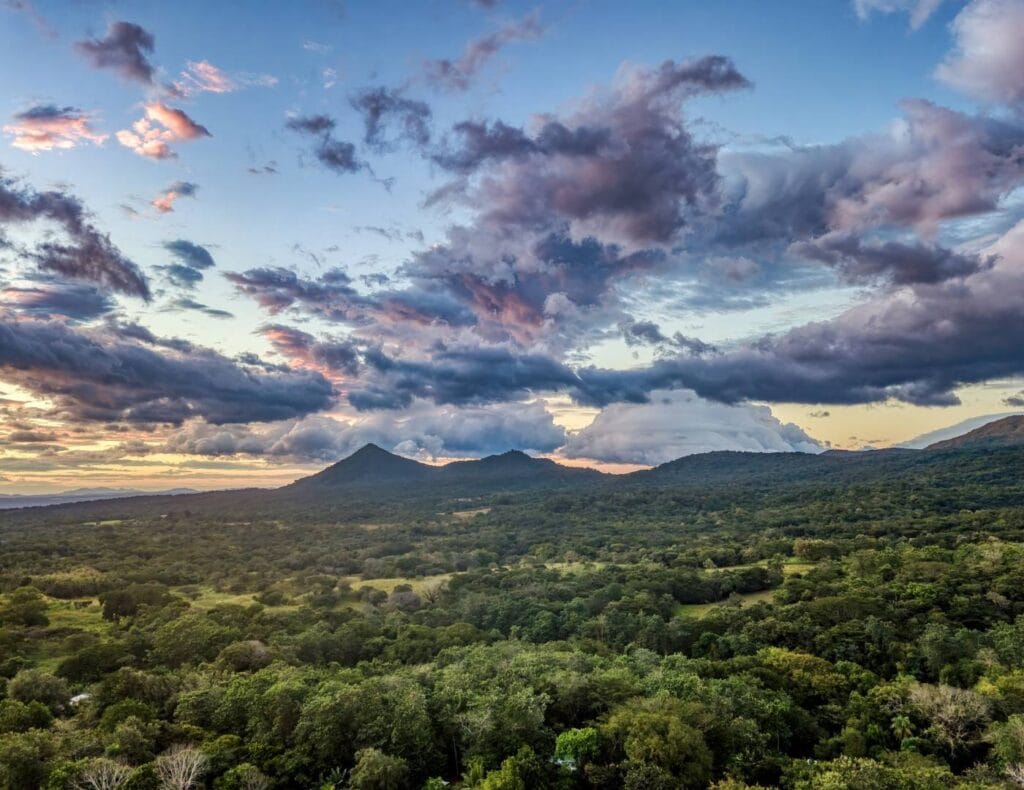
85,254
389,117
111,377
458,74
336,155
125,49
899,262
190,254
77,301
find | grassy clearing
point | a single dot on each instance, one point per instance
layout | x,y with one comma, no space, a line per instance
73,614
418,584
579,566
466,515
699,610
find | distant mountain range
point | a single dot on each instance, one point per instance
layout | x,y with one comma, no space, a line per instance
9,501
373,478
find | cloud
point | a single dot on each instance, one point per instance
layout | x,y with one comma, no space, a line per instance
333,297
190,253
164,202
934,165
919,10
988,62
84,253
203,77
422,430
382,109
184,303
118,374
46,126
190,261
330,357
675,424
125,49
898,262
49,298
335,155
151,135
915,344
458,376
30,437
637,333
181,275
458,74
623,161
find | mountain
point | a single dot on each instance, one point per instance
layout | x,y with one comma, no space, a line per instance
515,469
1006,432
373,470
10,501
368,466
953,431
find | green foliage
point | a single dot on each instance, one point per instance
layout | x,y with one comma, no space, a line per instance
725,628
31,685
375,770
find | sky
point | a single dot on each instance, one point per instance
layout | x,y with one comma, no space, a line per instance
239,241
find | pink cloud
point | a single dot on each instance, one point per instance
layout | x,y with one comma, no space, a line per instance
164,202
45,127
203,77
151,135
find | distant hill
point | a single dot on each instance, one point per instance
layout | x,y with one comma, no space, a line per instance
1006,432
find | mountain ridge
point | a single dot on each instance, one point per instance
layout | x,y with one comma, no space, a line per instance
1004,432
372,477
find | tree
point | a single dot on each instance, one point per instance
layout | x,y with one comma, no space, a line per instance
103,774
957,716
375,770
32,685
655,731
574,748
243,777
25,607
25,759
180,768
